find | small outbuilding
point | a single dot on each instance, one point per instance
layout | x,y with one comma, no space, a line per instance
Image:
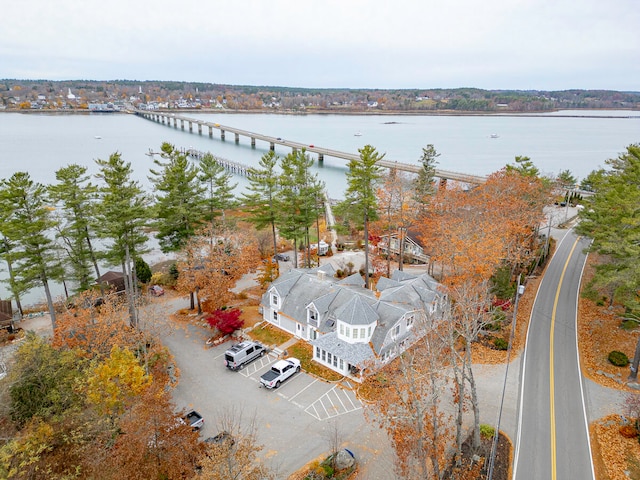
112,280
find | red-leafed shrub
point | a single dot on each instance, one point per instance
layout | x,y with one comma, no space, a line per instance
226,321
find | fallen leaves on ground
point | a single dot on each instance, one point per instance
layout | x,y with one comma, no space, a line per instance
617,453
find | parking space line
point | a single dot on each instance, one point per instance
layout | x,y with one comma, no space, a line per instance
325,408
332,407
314,381
339,399
256,365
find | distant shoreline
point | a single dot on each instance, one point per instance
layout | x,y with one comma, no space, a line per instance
442,113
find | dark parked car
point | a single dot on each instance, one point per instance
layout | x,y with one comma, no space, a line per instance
223,437
281,257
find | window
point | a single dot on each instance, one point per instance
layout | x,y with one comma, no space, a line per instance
324,356
275,316
341,365
396,330
363,333
329,358
317,352
369,332
342,329
335,361
347,331
274,300
409,322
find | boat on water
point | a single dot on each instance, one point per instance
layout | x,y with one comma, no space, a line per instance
98,137
494,135
357,134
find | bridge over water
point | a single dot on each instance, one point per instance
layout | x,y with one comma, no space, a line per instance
172,120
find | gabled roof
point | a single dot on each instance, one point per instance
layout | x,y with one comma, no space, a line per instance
348,301
355,279
384,283
356,312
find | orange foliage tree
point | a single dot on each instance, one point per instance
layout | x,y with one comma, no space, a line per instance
470,235
95,330
213,261
154,442
414,406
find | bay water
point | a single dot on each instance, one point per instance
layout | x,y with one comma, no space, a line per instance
579,141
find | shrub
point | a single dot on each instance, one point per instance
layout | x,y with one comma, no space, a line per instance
500,344
628,324
618,359
226,321
143,271
487,431
173,271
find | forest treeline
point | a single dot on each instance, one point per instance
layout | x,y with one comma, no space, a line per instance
28,94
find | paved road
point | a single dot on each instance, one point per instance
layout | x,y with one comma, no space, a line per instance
553,441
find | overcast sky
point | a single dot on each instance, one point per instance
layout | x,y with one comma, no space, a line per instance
492,44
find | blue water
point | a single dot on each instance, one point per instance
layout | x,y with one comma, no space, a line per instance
41,143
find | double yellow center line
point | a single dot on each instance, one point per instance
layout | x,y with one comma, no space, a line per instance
551,377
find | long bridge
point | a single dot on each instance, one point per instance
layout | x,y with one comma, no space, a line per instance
171,119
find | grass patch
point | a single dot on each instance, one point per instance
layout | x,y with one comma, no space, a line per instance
304,352
269,335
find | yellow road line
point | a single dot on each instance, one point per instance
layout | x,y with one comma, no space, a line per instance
551,377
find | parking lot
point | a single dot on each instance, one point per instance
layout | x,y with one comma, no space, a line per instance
314,396
294,422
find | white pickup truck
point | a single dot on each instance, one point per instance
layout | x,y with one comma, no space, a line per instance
279,372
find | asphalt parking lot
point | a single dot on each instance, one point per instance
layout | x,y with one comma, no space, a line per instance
294,422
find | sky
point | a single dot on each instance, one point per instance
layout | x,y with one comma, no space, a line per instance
422,44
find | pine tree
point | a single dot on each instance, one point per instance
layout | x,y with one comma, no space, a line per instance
300,191
219,190
424,183
75,199
263,203
29,224
179,198
362,178
612,219
120,218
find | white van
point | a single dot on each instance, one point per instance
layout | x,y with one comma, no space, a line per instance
242,353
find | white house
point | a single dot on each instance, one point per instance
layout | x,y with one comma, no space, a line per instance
412,248
353,330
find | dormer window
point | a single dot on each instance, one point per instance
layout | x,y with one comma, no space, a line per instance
409,322
312,317
275,300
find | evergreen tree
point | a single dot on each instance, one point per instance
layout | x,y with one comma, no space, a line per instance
143,271
300,190
29,224
178,198
219,190
565,179
424,182
120,218
524,166
262,203
7,252
75,200
360,197
612,219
